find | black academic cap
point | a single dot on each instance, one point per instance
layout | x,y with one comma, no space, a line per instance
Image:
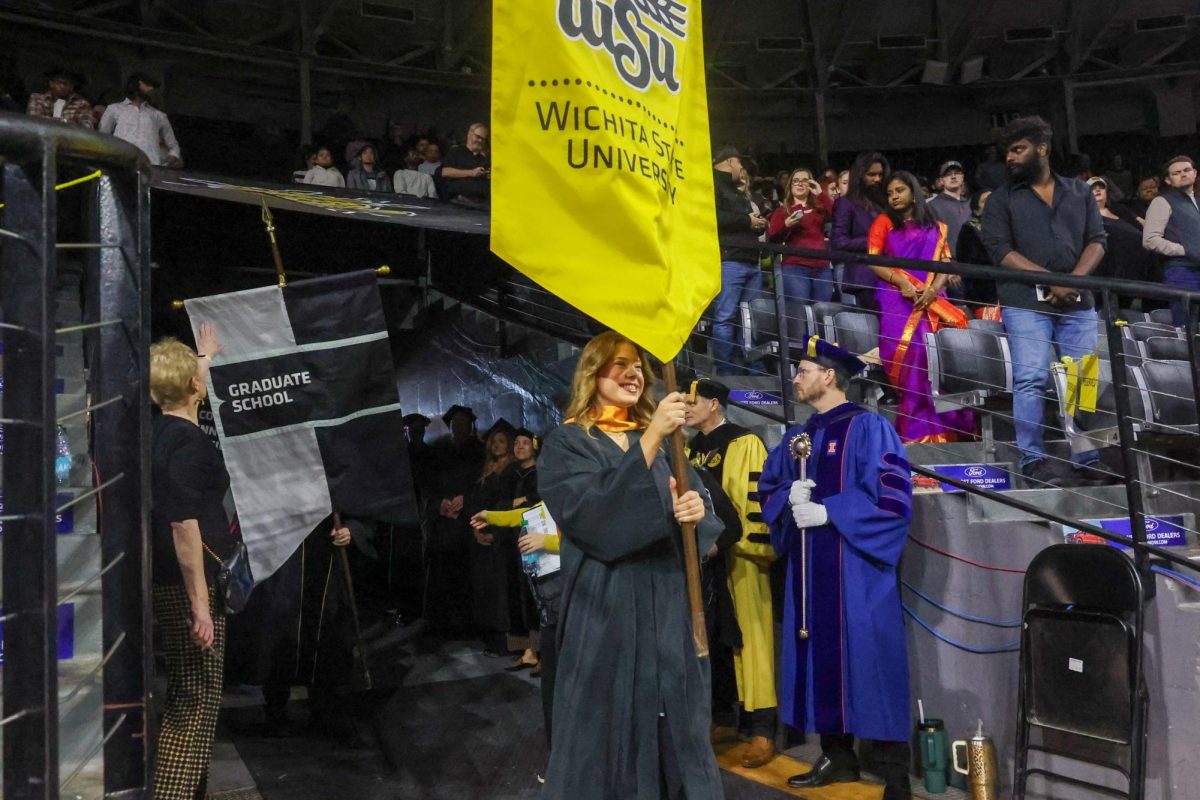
713,390
416,419
457,409
500,426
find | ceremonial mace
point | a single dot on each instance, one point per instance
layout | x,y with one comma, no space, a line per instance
691,559
801,446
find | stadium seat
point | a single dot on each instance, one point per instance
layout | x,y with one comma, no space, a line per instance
1162,316
1134,350
1131,316
1141,331
820,318
760,328
856,331
1166,348
1090,430
1169,384
970,367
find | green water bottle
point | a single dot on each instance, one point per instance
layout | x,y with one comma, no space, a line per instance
931,738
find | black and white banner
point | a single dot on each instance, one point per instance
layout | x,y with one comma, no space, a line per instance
304,402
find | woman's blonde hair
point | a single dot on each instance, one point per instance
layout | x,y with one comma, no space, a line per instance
596,355
172,366
493,464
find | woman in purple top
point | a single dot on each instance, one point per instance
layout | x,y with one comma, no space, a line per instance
911,303
852,217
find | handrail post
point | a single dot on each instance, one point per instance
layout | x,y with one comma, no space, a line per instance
1189,333
785,355
1133,480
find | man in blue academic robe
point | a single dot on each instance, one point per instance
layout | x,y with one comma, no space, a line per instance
841,531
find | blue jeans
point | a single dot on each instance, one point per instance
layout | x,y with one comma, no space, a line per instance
1030,336
739,281
807,284
1180,274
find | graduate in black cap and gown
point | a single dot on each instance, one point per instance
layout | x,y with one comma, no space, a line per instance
459,459
492,548
842,530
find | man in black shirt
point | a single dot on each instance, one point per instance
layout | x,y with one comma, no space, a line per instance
466,171
739,225
1042,222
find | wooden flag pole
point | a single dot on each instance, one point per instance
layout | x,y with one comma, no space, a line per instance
691,558
362,673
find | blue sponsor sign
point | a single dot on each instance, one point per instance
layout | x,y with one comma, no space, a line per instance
65,633
753,397
993,477
1166,531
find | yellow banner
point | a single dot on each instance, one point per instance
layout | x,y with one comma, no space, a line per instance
601,168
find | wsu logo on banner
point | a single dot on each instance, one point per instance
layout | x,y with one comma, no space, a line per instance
600,140
639,35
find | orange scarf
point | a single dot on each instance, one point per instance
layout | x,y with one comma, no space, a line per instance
611,419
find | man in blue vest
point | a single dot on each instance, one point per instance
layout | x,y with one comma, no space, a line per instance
1173,229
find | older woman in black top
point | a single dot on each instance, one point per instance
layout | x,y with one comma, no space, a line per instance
187,519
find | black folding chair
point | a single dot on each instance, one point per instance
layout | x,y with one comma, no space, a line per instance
1081,678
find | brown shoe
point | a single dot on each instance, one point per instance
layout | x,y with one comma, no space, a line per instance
723,734
760,752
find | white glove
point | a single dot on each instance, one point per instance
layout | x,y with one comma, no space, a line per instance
809,515
801,491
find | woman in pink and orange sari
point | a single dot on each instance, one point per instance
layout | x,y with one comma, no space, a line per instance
911,303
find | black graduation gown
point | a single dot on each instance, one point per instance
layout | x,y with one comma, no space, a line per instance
491,565
447,588
625,641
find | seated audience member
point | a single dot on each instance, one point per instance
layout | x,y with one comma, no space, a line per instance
431,152
466,172
60,101
800,222
1124,257
410,180
367,175
323,172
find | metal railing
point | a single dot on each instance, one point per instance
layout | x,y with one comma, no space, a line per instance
111,233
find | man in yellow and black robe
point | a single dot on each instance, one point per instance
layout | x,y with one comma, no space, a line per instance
735,456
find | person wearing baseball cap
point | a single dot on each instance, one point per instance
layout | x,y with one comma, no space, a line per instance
739,224
952,207
837,496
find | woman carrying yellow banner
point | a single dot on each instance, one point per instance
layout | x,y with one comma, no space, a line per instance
631,701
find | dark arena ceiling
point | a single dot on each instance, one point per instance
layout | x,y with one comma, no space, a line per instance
292,63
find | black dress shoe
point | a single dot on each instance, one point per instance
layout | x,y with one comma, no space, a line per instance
823,773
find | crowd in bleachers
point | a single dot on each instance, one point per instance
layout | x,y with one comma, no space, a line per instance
942,346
